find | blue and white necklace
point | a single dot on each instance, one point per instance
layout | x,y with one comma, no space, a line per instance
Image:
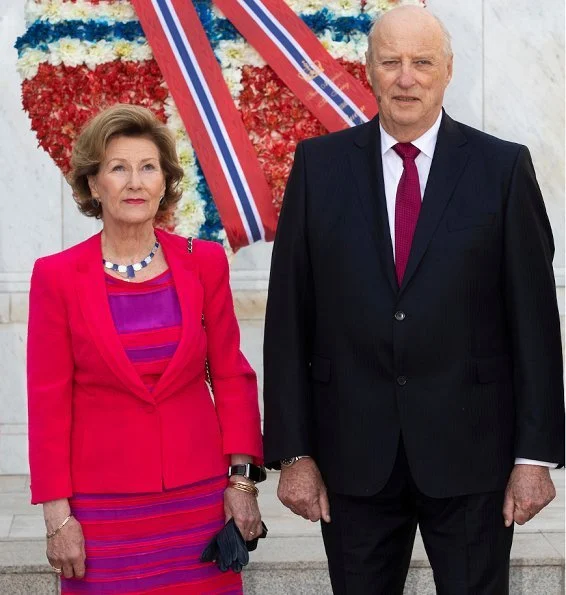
130,269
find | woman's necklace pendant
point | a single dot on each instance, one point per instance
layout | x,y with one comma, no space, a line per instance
129,270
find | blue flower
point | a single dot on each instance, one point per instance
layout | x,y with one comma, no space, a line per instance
42,33
212,225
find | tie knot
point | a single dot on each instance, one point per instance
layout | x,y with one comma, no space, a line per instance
406,151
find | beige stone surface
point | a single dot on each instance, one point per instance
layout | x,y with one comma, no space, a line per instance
19,305
28,584
4,308
5,525
556,540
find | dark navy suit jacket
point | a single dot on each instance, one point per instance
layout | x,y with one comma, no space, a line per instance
463,360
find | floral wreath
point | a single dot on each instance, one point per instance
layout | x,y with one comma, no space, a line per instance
78,56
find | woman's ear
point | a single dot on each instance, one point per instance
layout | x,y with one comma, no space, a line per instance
93,186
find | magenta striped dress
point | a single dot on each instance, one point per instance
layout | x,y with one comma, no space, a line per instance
150,543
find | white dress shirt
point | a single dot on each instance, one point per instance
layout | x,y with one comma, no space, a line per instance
392,172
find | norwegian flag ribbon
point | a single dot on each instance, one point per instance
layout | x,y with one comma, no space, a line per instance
221,142
292,50
227,157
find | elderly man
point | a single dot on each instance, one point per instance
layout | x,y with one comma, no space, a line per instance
413,368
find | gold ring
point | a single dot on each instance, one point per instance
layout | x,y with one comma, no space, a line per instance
57,570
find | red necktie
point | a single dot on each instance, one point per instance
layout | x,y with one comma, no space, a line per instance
407,206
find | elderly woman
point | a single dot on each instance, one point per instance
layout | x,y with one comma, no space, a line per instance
129,454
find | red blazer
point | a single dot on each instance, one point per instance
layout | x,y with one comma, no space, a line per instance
93,425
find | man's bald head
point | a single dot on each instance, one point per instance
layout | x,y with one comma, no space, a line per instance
414,14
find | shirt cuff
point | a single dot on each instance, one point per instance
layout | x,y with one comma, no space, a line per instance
533,462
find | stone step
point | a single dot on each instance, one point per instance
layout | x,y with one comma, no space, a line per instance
296,566
291,560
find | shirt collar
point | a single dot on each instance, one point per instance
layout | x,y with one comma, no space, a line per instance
425,143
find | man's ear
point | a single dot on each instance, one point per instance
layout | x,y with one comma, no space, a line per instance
367,68
450,69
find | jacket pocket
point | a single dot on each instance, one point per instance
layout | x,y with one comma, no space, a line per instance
320,368
459,222
494,369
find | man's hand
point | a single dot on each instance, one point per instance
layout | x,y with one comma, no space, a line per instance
302,490
528,491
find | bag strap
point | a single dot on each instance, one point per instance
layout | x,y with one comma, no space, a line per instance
207,375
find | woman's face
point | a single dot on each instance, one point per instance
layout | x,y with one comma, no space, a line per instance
130,182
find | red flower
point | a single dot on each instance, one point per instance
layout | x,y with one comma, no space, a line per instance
60,100
276,121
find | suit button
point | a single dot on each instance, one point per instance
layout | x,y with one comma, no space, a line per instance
401,380
400,315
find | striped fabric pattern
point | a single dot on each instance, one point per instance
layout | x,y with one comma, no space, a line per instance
147,317
151,543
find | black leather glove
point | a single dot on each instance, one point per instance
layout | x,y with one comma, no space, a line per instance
228,548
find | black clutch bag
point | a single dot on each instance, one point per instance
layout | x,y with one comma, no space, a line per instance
228,548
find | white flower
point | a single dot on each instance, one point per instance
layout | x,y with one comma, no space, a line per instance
32,11
56,11
352,50
29,62
171,110
189,215
233,78
52,12
141,51
344,8
123,49
98,53
227,248
81,11
186,156
68,51
235,54
306,6
121,12
175,123
374,8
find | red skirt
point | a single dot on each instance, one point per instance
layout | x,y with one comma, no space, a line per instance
151,543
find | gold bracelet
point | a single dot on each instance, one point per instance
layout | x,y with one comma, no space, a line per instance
244,487
53,533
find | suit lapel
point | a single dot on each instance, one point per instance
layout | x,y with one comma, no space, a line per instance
366,164
450,157
189,291
93,299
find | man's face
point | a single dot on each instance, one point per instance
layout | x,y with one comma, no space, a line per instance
408,69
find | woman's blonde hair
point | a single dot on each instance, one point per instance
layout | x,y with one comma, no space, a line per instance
90,147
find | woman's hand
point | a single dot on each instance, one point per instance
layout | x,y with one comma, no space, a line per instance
66,549
243,508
